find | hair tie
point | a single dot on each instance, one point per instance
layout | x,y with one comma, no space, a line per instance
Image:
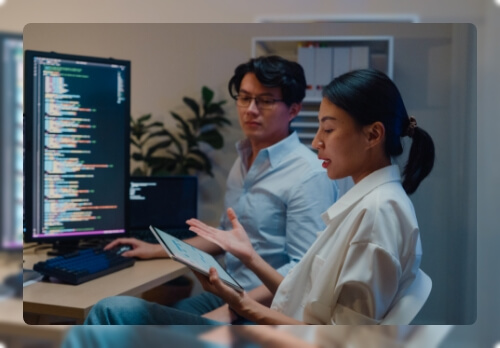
412,124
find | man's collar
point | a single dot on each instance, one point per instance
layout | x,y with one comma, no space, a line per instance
275,152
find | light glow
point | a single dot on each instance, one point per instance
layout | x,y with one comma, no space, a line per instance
497,2
2,2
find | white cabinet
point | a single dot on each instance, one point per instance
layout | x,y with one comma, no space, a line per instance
323,58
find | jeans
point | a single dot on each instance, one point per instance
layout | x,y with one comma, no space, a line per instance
127,310
204,303
200,304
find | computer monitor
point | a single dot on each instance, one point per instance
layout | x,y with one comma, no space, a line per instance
77,147
165,202
11,141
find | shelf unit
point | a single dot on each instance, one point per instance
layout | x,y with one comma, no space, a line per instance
376,52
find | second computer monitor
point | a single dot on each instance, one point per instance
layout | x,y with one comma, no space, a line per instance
164,202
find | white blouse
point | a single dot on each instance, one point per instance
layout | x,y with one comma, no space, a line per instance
361,263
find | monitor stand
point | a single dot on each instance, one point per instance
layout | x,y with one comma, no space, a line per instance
63,248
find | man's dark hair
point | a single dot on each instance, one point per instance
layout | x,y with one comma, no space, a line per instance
273,71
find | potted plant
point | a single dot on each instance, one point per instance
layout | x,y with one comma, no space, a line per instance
161,152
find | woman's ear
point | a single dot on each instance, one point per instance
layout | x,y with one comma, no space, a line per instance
375,133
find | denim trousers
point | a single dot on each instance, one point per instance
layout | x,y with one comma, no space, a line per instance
127,310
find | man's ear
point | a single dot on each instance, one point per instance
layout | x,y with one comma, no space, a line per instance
294,110
375,133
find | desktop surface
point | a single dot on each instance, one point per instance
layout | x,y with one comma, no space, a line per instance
70,301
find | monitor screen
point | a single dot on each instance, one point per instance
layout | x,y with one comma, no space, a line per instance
164,202
76,146
11,141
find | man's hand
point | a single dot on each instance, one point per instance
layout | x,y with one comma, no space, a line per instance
140,249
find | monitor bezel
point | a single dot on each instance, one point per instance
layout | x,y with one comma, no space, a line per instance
28,105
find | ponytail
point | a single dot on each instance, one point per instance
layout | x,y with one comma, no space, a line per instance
420,159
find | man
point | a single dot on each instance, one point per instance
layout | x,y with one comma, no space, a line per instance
276,187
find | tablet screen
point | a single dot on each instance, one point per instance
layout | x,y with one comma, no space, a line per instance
192,257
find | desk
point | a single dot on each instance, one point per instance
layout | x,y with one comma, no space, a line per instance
75,301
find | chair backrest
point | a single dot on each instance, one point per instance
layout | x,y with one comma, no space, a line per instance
408,306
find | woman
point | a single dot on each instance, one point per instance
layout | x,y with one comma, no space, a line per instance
370,251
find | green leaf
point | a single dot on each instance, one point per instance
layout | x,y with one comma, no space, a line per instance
176,156
144,141
138,172
200,164
143,118
133,142
194,163
207,95
193,105
212,138
203,156
188,135
214,109
161,133
137,156
154,124
163,166
161,145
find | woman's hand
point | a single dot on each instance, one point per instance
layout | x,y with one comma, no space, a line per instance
235,241
212,283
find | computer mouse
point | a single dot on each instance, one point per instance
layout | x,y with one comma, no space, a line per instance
122,248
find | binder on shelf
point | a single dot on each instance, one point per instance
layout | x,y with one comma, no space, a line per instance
360,57
305,57
323,69
341,60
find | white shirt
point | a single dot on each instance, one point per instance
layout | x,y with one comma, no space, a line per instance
360,264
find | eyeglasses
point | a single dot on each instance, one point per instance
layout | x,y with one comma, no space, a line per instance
263,103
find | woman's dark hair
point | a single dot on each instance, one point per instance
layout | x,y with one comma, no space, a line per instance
273,71
368,96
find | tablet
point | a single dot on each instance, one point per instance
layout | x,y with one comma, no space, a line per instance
192,257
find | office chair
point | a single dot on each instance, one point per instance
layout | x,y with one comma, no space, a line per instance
408,306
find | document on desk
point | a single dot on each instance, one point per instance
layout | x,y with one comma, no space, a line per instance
192,257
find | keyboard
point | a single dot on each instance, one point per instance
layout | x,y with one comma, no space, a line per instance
84,265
